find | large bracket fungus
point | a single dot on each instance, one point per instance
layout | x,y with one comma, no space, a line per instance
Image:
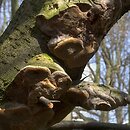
33,82
33,92
71,43
75,30
40,96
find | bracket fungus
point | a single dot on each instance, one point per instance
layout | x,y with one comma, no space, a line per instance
32,82
70,40
41,96
29,99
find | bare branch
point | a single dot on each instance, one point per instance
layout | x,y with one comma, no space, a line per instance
96,96
88,126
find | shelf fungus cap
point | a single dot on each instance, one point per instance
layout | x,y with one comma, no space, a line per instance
62,79
24,82
66,48
33,82
35,72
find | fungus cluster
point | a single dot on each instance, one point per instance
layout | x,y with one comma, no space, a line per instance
33,82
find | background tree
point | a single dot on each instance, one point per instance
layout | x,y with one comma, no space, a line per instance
7,11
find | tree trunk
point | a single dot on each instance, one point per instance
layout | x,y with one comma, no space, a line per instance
19,44
68,31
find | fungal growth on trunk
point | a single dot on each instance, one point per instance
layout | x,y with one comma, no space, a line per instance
77,30
57,40
70,38
32,82
40,96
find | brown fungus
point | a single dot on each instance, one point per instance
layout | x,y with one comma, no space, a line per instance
32,82
66,48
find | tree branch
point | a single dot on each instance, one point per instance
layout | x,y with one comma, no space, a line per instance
96,96
90,126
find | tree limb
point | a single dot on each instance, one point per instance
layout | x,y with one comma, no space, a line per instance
96,96
91,126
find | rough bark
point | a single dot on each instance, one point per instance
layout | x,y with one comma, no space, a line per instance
57,38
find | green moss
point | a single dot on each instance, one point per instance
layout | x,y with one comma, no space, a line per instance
53,7
116,94
44,60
